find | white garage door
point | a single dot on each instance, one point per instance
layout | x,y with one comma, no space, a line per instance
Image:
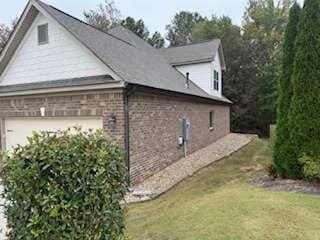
18,129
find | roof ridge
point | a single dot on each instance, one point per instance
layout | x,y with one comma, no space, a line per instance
193,43
83,22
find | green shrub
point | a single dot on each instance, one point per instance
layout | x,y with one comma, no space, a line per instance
65,185
310,167
304,115
283,159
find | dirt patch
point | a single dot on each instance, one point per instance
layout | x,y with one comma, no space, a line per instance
287,185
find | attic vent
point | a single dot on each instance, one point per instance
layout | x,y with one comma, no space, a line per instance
43,36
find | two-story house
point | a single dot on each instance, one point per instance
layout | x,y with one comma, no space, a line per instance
158,105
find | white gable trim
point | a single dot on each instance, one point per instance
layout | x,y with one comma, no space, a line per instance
31,4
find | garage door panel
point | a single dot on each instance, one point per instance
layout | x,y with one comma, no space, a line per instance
18,129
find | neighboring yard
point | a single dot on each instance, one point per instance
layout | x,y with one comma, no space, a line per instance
219,203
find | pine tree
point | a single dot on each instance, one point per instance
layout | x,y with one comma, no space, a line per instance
304,116
282,152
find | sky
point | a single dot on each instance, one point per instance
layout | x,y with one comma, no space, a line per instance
156,14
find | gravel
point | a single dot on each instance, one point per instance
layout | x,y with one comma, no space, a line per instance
185,167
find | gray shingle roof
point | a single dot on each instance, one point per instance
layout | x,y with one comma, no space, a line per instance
192,53
73,82
131,58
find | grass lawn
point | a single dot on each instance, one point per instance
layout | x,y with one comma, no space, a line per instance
218,203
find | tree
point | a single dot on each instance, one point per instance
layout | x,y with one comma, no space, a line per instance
156,40
264,24
239,79
104,17
214,28
5,32
282,152
4,35
304,115
180,29
138,27
107,16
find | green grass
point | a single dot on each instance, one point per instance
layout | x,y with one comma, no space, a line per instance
219,203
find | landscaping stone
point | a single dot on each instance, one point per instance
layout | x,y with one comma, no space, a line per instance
295,186
185,167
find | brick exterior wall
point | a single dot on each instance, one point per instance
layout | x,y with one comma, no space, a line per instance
75,104
155,125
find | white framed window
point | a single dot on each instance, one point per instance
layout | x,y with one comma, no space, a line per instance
215,80
43,34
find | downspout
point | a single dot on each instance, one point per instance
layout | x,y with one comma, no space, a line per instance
127,93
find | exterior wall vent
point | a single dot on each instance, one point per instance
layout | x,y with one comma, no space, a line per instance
187,80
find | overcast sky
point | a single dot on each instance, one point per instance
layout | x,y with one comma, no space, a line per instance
156,14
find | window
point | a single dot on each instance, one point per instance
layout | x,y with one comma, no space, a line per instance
43,36
216,80
211,120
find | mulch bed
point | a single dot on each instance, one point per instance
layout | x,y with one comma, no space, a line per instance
287,185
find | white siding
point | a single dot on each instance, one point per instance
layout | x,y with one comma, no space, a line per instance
202,74
199,73
62,58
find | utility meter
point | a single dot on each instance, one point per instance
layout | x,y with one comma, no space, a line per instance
186,126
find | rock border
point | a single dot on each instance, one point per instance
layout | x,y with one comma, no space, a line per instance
285,185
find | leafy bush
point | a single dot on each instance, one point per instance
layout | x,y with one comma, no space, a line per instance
65,185
310,167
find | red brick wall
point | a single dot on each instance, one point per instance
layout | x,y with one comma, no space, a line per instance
89,103
155,125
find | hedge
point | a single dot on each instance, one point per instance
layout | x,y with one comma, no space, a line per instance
65,185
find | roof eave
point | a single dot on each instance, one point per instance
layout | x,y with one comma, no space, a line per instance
206,60
58,87
222,57
222,100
